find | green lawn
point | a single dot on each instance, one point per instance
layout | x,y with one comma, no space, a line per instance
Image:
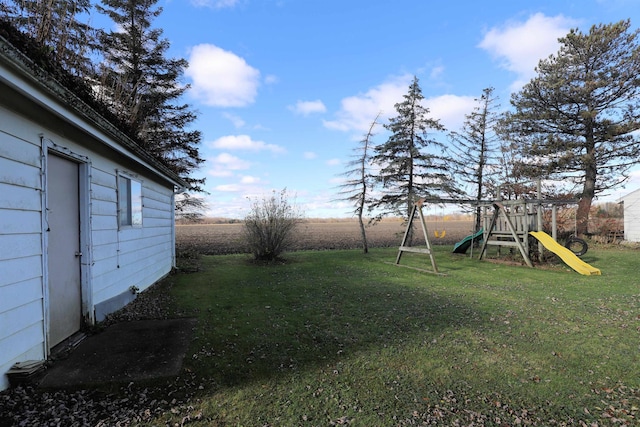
338,337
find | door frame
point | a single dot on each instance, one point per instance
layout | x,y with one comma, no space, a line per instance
84,197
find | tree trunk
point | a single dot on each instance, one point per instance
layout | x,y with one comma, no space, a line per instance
365,245
590,175
584,205
582,216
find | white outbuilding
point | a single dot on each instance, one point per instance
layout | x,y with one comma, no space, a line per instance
631,209
86,215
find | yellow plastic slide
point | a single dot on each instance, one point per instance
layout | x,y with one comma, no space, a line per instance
565,254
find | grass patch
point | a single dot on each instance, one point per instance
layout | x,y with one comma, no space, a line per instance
339,337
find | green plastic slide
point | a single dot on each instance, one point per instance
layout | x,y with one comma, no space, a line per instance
462,246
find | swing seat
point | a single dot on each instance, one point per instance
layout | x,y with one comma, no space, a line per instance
441,234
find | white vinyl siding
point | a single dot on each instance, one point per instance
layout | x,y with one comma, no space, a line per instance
121,257
21,260
632,216
128,256
35,121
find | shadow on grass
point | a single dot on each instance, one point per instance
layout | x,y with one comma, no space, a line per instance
259,321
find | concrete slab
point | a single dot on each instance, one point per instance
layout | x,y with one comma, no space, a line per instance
127,351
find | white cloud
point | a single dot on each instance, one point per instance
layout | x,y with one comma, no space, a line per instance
309,155
228,188
219,172
231,199
450,109
519,46
248,179
236,120
215,4
436,72
308,107
244,142
357,112
221,78
333,162
224,164
271,79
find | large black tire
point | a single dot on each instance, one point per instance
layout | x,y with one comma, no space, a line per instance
576,245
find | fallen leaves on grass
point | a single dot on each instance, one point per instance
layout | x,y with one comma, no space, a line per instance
620,404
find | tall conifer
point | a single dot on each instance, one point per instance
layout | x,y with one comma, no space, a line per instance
577,119
143,86
56,25
412,162
476,149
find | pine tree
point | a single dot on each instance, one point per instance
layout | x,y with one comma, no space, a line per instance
143,87
476,149
412,162
55,24
575,120
6,10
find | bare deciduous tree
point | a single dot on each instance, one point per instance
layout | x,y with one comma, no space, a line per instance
358,185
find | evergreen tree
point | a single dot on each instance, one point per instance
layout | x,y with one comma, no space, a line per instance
143,87
190,208
55,24
476,149
412,163
575,120
510,171
7,10
358,185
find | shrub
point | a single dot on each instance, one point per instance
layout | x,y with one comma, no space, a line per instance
269,226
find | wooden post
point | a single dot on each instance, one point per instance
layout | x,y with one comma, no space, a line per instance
499,207
524,254
539,218
417,209
554,222
488,231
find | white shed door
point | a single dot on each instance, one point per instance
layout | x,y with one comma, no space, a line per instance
65,299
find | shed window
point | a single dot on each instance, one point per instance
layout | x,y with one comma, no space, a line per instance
129,202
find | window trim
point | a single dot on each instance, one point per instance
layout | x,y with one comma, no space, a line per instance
134,200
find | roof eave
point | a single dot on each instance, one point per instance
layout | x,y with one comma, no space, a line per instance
112,136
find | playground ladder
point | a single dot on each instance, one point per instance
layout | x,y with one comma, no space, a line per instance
518,237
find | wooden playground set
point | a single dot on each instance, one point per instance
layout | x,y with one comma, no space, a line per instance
506,225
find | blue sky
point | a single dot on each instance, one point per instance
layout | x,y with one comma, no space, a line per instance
285,89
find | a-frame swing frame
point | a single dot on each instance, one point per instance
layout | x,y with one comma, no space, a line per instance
417,209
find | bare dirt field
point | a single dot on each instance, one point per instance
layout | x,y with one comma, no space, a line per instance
217,239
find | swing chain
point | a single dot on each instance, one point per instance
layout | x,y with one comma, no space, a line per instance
441,234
